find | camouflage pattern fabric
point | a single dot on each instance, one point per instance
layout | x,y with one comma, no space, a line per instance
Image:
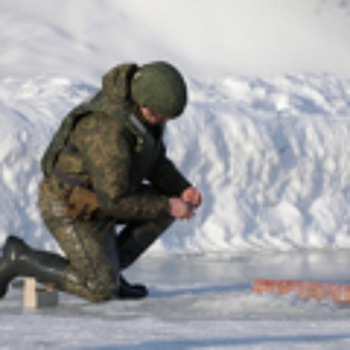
111,151
91,273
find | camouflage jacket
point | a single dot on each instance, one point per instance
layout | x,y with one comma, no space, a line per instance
104,145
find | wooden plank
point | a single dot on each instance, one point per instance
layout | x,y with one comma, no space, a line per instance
29,293
36,296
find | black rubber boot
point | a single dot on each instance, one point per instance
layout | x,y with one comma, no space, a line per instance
131,243
131,291
125,290
20,260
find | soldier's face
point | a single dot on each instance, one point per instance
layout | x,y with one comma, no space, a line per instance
151,117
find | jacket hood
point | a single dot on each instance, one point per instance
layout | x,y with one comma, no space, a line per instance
116,82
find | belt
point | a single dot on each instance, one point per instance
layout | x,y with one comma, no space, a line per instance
65,178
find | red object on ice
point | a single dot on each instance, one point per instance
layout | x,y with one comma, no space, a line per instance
337,292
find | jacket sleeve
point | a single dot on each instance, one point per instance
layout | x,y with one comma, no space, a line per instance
107,152
166,178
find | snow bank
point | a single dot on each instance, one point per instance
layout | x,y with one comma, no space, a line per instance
270,155
272,158
29,113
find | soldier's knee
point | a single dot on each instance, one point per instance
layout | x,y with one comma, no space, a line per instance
94,297
101,290
95,289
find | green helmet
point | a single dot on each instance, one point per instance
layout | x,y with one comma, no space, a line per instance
160,87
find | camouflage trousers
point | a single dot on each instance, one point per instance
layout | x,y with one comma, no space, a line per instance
94,272
94,252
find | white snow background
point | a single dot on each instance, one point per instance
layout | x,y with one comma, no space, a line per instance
265,137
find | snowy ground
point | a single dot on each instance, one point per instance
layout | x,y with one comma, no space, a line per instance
265,137
195,303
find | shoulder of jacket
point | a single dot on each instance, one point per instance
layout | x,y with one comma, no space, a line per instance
97,121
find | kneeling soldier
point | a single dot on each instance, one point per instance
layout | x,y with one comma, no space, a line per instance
106,165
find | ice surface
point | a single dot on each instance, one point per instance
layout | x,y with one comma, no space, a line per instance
194,303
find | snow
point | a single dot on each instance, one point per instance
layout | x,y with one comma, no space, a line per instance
265,137
269,155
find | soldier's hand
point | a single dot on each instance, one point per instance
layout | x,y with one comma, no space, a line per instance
179,209
192,196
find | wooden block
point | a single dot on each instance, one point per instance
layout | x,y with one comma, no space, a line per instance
337,292
35,296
